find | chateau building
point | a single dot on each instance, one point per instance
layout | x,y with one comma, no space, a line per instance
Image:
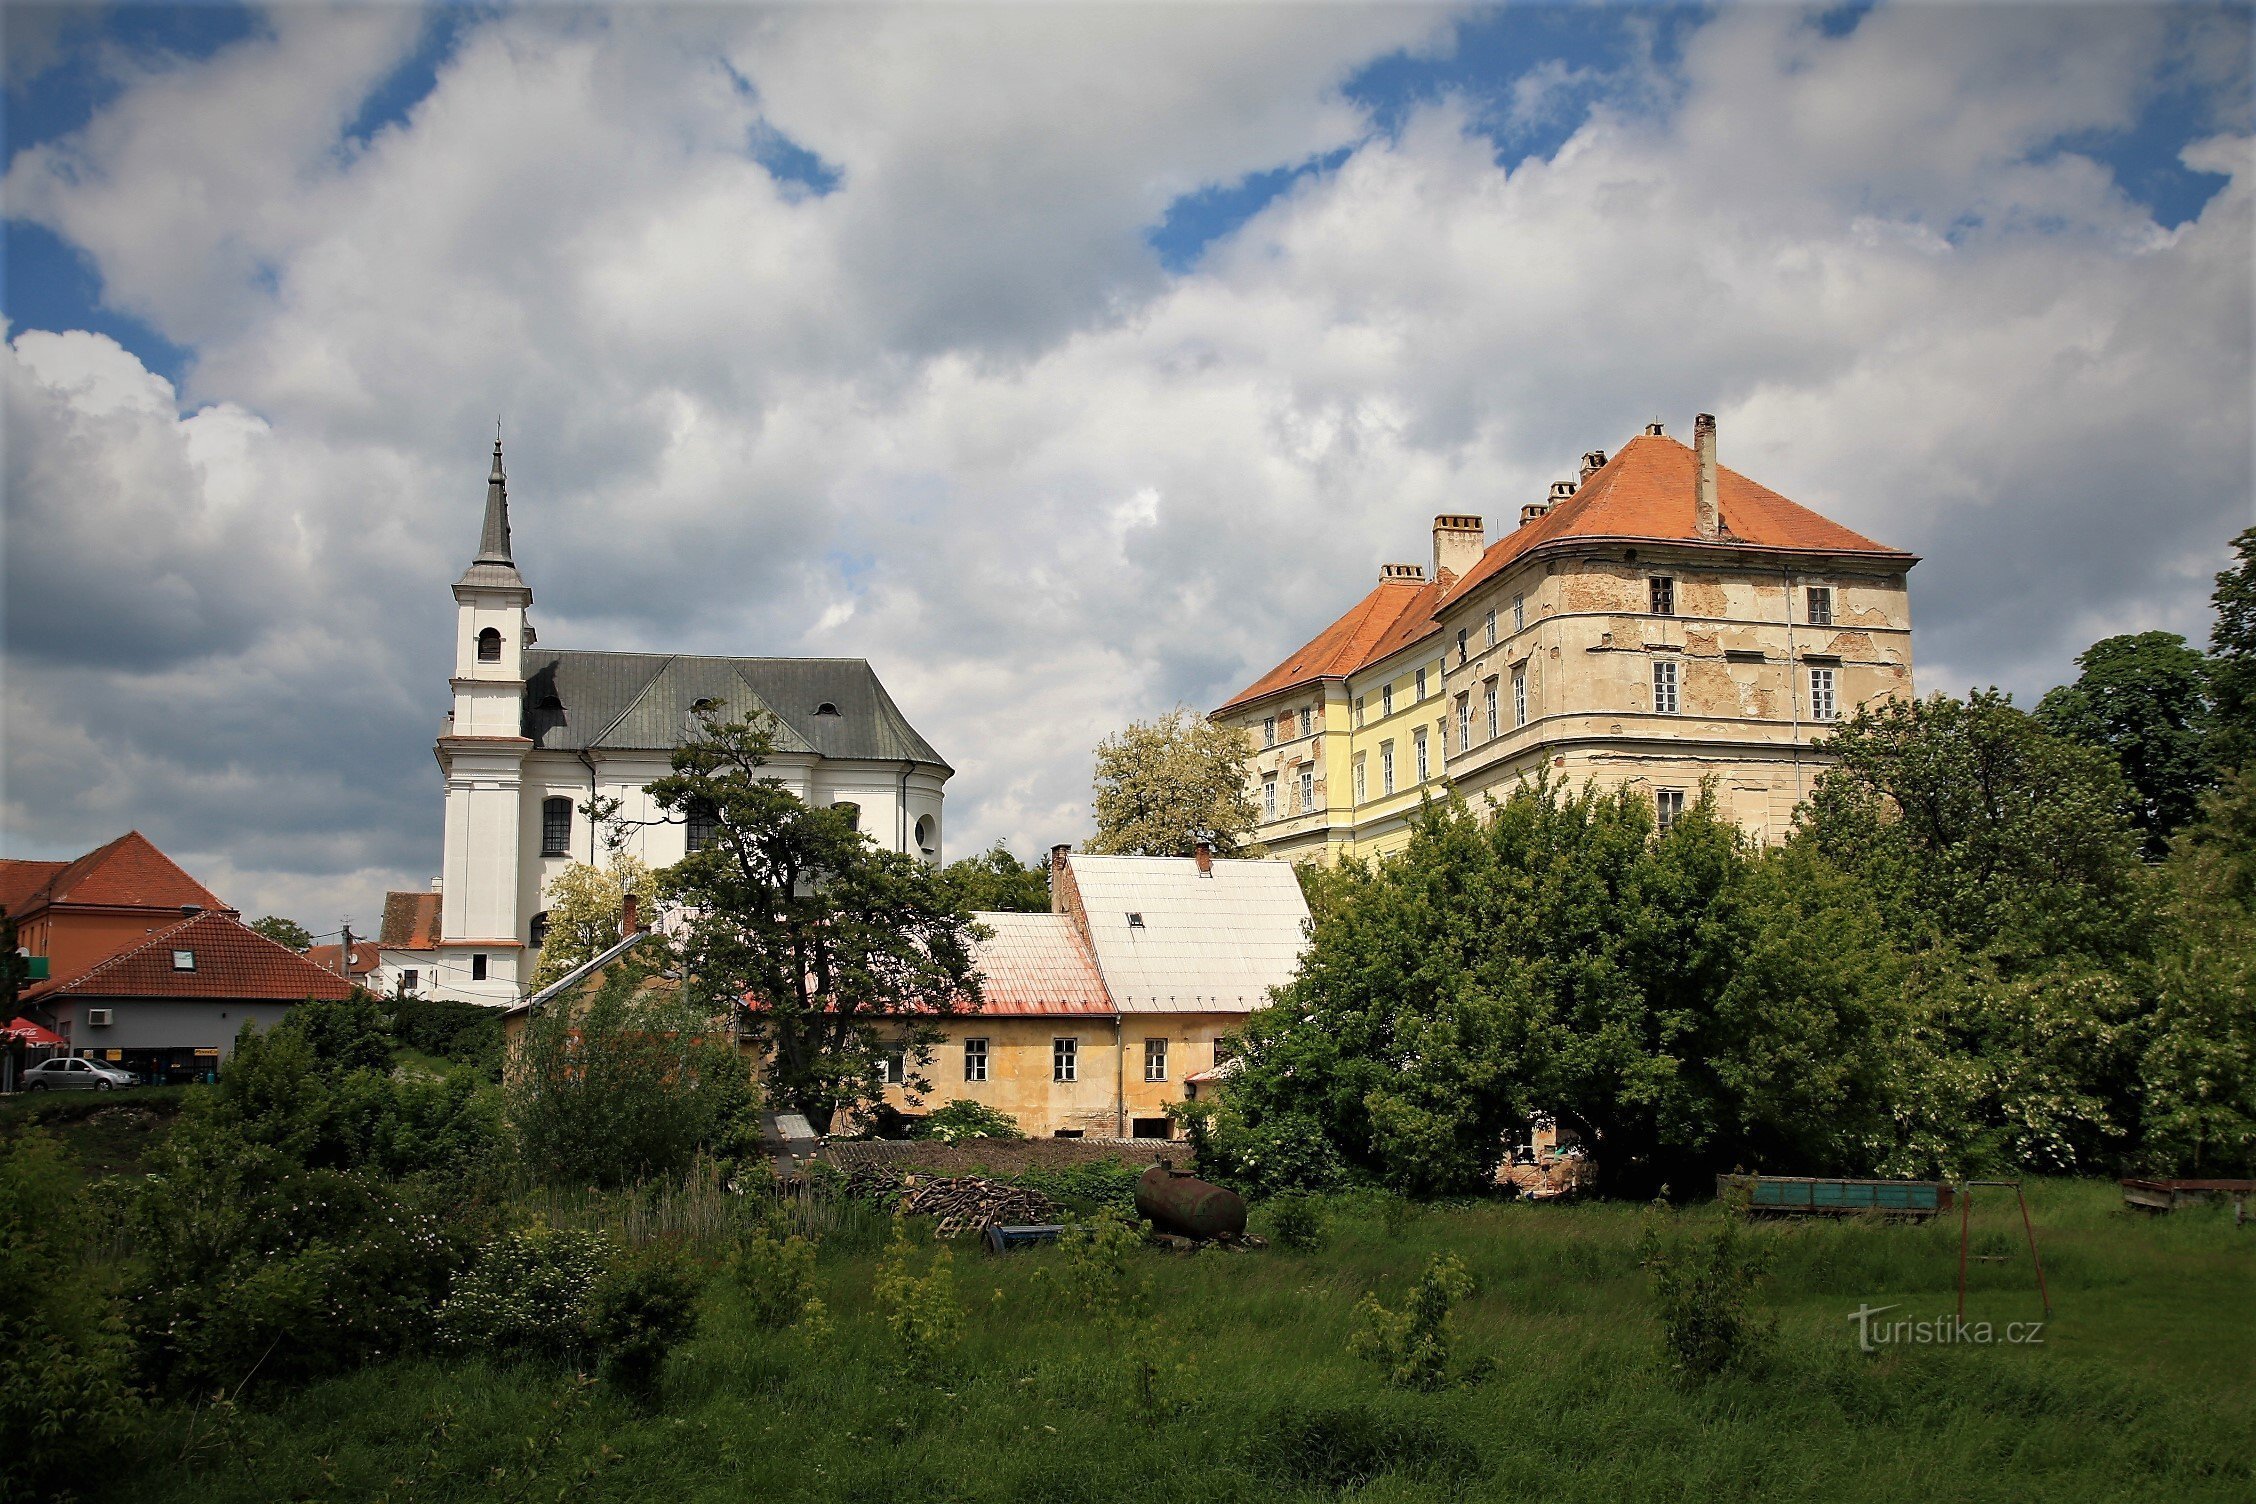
535,734
1659,621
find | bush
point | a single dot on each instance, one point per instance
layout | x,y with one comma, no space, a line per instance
644,1306
1092,1276
1701,1291
467,1033
962,1119
531,1294
1412,1344
777,1279
1296,1223
920,1310
63,1354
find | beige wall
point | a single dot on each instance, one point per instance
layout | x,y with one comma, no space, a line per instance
1019,1068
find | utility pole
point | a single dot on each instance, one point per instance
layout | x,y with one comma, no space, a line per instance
344,952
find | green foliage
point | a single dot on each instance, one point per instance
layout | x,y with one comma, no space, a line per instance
342,1036
2197,1075
1091,1276
466,1033
642,1308
1339,1448
2143,699
284,931
1085,1189
921,1312
964,1119
838,941
2232,658
1166,784
584,905
628,1084
1412,1344
64,1395
777,1279
1703,1288
531,1294
996,882
1296,1223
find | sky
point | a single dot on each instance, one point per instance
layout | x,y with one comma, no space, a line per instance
1069,362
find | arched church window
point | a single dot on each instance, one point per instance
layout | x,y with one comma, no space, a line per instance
927,835
539,934
704,824
489,645
556,827
852,812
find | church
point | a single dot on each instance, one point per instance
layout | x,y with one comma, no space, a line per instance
536,734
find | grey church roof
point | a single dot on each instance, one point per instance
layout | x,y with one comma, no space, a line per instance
645,702
493,566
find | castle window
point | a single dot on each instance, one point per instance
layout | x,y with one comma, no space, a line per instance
1386,767
410,979
556,827
1490,628
1465,723
1821,605
704,825
1460,647
1155,1060
1821,694
1307,790
489,645
1664,595
1269,797
1361,793
1519,612
1489,692
1421,686
1359,712
1386,701
1664,687
1418,739
1668,807
1519,697
1268,731
893,1066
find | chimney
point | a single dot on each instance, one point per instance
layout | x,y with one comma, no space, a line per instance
630,917
1203,854
1533,512
1390,573
1458,542
1704,485
1654,430
1592,463
1562,490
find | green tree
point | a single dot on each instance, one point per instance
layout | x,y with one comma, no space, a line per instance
1164,785
584,910
838,953
2143,699
284,931
996,882
2232,657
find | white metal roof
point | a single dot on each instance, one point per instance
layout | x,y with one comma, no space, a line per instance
1203,944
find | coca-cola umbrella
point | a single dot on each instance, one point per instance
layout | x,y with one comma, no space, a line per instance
22,1030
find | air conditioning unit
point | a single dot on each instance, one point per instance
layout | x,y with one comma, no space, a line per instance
97,1018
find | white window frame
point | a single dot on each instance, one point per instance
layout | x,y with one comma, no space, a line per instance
1491,625
1519,697
1464,722
1519,613
1665,698
1386,701
1488,692
1359,712
1819,599
1823,704
1307,788
975,1051
1386,768
1418,740
1268,731
1362,783
1155,1060
1668,807
893,1065
1269,797
1421,686
1065,1060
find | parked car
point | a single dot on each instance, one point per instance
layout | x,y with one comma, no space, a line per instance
68,1073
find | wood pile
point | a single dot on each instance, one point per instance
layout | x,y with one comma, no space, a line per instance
969,1204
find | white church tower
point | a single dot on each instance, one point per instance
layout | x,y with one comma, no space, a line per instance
481,955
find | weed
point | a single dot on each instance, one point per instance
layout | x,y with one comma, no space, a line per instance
920,1310
776,1279
1412,1344
1702,1288
1296,1223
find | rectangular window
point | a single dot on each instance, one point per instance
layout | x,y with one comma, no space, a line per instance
1519,613
1821,694
703,825
1519,697
1361,791
1464,723
975,1060
183,960
1664,687
1151,1127
1269,797
893,1067
1065,1061
1421,686
1268,731
1418,739
1490,626
1307,790
1460,647
478,967
1668,804
1664,595
1821,605
1359,712
1155,1060
1386,767
1386,700
1489,695
408,979
556,827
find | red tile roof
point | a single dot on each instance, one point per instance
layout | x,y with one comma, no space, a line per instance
1646,492
232,960
1035,965
364,957
411,921
128,872
1394,615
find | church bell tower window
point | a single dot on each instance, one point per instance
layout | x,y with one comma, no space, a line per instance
489,645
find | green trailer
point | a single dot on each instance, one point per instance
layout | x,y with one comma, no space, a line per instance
1806,1196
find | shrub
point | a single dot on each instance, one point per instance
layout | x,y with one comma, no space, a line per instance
776,1279
920,1310
962,1119
1412,1344
63,1355
530,1295
1701,1290
467,1033
1092,1276
1296,1222
641,1308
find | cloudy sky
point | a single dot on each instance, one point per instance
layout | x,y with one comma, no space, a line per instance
1068,363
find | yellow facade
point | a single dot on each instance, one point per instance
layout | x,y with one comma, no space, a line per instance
1112,1094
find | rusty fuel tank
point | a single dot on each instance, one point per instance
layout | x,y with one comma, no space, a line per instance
1179,1202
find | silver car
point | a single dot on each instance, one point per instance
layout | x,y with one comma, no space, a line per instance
68,1073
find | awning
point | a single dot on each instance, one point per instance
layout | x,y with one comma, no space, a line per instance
24,1031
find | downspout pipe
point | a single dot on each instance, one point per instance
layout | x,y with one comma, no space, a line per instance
592,797
1119,1076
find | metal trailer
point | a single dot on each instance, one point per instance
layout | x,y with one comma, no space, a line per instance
1798,1195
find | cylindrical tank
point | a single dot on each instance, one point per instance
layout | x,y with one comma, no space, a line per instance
1179,1202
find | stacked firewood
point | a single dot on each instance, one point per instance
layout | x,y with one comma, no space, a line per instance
968,1204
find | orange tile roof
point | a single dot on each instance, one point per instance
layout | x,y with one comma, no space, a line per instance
364,957
1036,965
232,960
411,921
1646,491
1394,615
22,880
128,872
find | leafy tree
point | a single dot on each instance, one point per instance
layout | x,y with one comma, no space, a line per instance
2232,657
14,969
2143,699
1165,784
996,882
838,953
284,932
584,904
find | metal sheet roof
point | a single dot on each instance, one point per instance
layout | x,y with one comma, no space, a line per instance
1204,944
645,702
1034,965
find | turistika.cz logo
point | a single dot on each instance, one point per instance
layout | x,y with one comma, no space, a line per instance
1939,1331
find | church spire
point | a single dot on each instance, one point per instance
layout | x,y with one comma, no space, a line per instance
494,566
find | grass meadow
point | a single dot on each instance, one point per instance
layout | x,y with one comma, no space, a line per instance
1240,1387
